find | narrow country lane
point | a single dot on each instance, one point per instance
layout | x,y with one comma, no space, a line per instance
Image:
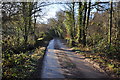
51,68
53,65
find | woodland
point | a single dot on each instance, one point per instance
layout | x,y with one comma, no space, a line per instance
24,40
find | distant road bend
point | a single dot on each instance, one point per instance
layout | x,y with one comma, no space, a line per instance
53,69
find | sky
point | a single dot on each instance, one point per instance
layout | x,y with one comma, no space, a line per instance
50,12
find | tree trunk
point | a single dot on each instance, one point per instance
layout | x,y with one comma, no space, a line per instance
88,17
25,22
73,32
80,22
73,20
84,22
110,23
88,14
